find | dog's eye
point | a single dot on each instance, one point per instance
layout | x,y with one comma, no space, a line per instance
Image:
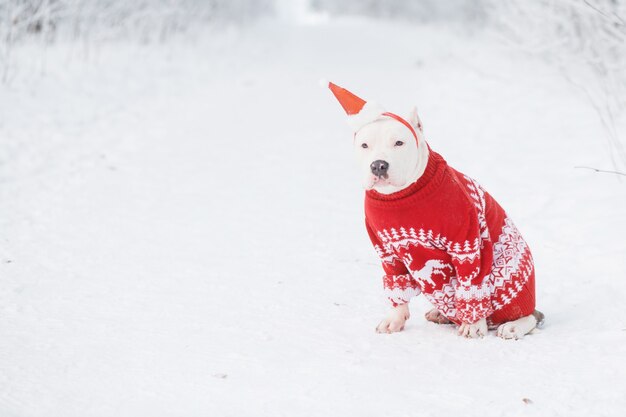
364,145
399,143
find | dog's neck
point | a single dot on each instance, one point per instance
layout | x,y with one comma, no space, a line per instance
423,153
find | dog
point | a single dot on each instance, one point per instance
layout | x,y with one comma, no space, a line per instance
437,232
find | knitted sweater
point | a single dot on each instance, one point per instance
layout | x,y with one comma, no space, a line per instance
447,238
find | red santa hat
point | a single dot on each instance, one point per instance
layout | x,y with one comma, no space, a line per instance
361,112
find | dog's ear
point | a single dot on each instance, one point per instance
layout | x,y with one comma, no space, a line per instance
414,119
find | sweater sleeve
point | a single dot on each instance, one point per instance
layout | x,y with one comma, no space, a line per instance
472,256
398,284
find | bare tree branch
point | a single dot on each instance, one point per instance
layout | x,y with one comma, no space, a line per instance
602,170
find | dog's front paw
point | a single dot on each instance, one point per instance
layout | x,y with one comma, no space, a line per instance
474,330
394,322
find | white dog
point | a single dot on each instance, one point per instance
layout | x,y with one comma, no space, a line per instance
437,231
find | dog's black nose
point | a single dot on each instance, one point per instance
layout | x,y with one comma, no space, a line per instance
379,168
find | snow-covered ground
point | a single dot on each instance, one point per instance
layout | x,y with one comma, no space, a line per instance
182,230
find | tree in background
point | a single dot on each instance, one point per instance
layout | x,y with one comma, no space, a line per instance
585,39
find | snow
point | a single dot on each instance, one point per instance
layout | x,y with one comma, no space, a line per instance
182,229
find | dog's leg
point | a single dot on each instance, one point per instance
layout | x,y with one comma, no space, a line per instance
436,317
394,322
519,328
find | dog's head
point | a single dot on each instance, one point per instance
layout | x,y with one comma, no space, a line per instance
388,155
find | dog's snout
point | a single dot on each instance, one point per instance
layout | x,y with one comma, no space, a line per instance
379,168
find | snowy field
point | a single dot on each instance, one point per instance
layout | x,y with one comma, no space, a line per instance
182,229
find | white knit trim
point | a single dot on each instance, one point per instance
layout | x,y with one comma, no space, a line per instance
473,292
399,289
394,239
400,296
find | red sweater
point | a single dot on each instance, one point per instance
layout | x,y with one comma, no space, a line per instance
447,238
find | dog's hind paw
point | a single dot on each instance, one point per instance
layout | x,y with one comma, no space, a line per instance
436,316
